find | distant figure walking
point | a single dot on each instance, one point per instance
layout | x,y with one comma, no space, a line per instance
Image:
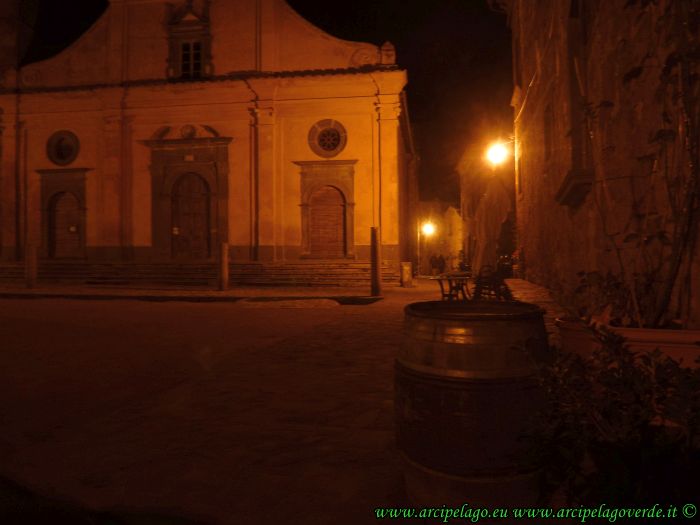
441,264
433,264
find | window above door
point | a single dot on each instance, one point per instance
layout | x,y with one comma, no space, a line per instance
189,42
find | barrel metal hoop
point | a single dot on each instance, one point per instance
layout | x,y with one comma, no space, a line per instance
477,475
444,374
474,310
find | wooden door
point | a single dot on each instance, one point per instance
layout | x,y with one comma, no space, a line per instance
190,223
327,223
65,227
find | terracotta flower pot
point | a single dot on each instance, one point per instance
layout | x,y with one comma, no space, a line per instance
680,345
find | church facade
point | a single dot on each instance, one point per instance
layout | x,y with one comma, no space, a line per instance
172,130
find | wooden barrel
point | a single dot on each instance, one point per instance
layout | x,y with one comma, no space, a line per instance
465,392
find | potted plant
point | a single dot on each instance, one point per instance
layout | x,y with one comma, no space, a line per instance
646,193
605,301
620,427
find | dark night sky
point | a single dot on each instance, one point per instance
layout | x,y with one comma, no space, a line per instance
457,53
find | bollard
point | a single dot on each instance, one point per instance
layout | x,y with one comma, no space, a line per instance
406,275
376,258
223,267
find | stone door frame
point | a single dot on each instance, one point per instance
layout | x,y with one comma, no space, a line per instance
339,174
206,157
52,183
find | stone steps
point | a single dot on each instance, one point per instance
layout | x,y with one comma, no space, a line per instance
308,273
127,273
11,272
296,273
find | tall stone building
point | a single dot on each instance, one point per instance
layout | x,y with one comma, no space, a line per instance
169,128
607,117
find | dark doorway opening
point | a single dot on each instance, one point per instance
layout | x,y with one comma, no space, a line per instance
327,223
65,228
191,239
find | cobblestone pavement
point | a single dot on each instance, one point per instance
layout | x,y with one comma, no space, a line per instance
239,415
266,415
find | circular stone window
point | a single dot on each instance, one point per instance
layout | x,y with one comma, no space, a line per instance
62,147
327,138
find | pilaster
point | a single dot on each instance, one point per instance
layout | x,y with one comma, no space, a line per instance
388,109
264,209
12,187
2,181
107,225
266,35
117,49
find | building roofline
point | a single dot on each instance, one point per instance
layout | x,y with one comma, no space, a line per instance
238,75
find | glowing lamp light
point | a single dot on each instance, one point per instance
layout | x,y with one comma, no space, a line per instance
497,153
428,228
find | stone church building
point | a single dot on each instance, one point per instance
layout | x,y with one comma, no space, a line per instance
171,129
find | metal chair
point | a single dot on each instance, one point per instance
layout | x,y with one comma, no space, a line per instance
489,285
452,286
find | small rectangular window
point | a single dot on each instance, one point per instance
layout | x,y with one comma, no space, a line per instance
191,60
186,60
196,59
189,40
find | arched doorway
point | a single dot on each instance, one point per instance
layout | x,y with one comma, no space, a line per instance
327,228
65,227
190,218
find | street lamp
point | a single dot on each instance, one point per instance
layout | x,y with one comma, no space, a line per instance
497,153
427,229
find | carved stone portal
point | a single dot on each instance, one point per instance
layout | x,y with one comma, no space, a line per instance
189,187
325,185
63,212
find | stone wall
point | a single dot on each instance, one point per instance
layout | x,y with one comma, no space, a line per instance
601,163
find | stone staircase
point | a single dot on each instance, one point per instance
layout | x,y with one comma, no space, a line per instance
128,274
309,273
297,273
11,272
